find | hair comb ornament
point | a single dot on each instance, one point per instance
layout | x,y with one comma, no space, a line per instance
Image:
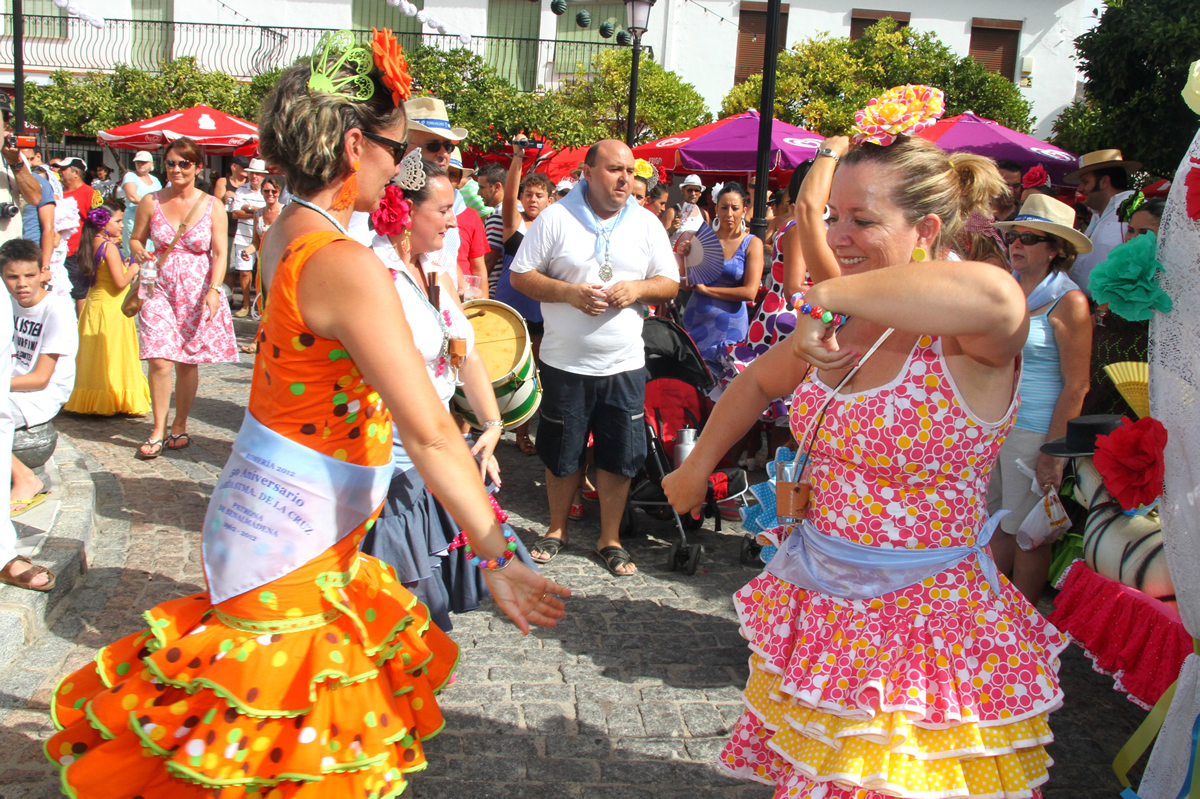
412,172
1131,205
335,50
645,170
900,111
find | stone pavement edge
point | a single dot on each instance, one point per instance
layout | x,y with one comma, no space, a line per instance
631,696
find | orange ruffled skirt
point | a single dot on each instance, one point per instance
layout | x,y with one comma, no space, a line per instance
319,684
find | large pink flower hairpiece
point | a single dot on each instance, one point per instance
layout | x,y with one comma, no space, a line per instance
901,111
392,216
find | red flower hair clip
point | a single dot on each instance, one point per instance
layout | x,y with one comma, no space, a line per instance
392,217
1036,178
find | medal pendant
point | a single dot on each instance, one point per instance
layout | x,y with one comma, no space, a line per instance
606,272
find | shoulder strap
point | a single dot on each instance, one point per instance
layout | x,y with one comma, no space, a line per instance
183,226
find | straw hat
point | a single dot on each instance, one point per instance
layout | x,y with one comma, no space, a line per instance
428,114
1044,213
456,163
1100,159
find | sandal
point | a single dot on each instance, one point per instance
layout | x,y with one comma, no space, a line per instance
172,438
26,579
248,349
576,513
29,504
548,546
143,454
614,557
525,444
591,495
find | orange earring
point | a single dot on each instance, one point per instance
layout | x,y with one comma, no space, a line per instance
349,191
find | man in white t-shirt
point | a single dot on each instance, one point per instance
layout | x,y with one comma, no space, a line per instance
45,342
595,259
247,202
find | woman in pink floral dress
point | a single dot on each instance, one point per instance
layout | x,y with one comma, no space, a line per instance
888,658
186,321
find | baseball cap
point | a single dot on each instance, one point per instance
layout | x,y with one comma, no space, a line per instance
143,155
241,160
74,161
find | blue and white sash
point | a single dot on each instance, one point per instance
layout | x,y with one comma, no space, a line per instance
278,505
811,560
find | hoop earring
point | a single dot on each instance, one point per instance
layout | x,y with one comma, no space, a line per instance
349,192
919,254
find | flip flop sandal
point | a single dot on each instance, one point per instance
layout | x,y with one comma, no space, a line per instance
614,557
25,579
546,545
526,445
171,439
141,454
592,496
248,349
29,504
576,513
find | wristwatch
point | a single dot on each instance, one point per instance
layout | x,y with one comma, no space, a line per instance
830,153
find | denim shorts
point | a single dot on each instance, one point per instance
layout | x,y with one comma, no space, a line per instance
611,408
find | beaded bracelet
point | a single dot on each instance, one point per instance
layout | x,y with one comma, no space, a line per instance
495,564
815,311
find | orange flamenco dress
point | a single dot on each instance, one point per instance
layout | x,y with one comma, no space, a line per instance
320,683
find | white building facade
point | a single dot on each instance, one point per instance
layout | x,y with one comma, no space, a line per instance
710,43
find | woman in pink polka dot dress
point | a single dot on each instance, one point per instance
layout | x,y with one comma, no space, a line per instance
887,656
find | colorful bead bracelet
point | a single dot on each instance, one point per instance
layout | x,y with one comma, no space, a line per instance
495,564
815,311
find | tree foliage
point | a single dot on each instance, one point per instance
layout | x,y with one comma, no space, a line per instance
1135,62
665,103
84,105
822,81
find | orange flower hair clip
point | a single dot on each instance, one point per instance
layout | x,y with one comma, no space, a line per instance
389,59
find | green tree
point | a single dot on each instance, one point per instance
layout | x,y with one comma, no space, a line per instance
822,81
1135,62
665,103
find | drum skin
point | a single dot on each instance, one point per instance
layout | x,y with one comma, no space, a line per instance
1127,549
502,340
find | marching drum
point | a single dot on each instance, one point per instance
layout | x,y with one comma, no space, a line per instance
503,341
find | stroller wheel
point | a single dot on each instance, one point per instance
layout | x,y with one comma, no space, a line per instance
673,558
693,559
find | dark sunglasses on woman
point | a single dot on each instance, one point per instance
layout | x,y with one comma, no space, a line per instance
1028,239
398,148
182,163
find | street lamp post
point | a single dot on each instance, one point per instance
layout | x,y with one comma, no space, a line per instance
766,111
18,34
637,16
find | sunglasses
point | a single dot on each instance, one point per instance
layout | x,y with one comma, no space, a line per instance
1028,239
182,163
270,191
692,188
435,147
398,148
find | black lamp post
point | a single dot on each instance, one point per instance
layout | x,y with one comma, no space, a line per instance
637,16
766,111
18,35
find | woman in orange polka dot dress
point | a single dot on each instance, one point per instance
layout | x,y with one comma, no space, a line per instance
888,658
305,670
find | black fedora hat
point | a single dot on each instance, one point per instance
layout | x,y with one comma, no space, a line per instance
1081,435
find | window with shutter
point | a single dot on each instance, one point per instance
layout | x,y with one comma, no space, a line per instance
752,39
367,14
863,18
575,48
995,44
513,49
43,19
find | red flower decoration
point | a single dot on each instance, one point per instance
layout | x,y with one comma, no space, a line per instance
1130,459
1036,178
1192,181
391,218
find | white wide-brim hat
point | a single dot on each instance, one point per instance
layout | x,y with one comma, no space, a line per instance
1044,213
692,180
258,166
428,114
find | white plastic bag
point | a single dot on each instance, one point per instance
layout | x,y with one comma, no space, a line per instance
1044,524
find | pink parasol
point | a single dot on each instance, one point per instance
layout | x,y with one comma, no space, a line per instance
974,134
730,145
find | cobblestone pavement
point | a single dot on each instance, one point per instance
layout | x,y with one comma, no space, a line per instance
631,696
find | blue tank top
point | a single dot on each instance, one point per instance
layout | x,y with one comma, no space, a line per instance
1041,381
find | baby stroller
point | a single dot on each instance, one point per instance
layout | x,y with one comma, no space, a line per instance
676,386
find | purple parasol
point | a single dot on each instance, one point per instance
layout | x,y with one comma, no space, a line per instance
981,136
731,145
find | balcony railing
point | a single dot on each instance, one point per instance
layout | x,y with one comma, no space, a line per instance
244,51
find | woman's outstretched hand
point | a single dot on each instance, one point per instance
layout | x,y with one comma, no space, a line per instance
816,342
527,597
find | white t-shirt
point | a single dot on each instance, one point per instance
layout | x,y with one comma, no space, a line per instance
559,246
48,328
245,227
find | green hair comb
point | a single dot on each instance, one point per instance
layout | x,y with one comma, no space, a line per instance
335,50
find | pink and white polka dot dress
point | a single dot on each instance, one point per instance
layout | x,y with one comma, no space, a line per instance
940,689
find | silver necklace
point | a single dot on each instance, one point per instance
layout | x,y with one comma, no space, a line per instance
323,213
